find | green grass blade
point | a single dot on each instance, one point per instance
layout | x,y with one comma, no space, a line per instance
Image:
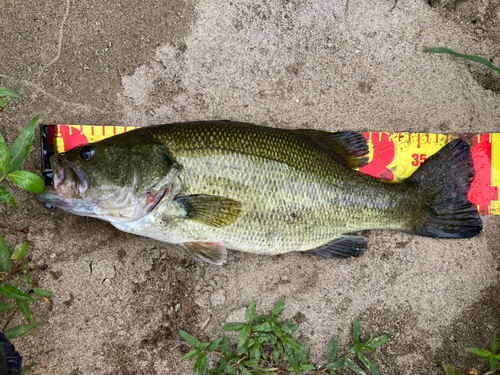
18,331
478,59
356,331
494,344
369,364
5,306
200,367
4,255
42,293
354,367
8,93
27,181
10,291
450,370
22,145
194,342
25,309
480,352
233,327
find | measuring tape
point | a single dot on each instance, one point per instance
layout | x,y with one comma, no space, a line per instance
392,156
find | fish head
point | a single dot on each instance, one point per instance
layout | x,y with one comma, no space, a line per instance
117,181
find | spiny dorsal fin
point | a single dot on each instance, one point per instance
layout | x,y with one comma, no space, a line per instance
209,209
351,146
342,247
209,252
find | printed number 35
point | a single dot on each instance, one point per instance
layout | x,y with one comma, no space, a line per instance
418,159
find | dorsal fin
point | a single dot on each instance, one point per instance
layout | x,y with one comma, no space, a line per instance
351,146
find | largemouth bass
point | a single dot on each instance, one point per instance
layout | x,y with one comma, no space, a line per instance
217,185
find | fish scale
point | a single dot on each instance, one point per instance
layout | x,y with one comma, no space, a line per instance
273,173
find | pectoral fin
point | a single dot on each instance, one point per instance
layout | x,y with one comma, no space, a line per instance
209,252
342,247
210,210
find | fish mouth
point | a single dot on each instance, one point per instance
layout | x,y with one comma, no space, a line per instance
69,181
72,205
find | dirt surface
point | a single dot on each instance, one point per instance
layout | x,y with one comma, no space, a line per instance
119,300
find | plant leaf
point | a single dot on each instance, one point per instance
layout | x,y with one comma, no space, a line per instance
337,364
368,363
19,252
191,354
21,147
4,255
478,59
233,327
379,341
332,351
278,308
354,367
27,181
25,309
5,306
356,331
7,198
242,339
244,370
214,344
4,157
10,291
450,370
224,344
308,367
4,102
200,367
264,327
194,342
42,292
255,352
480,352
8,93
494,344
250,312
27,279
294,344
18,331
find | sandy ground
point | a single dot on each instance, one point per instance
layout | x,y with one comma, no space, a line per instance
335,65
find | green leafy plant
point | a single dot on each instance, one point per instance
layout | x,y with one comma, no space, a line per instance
266,346
485,356
478,59
14,268
12,158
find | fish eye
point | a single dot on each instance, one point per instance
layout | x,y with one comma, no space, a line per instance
87,152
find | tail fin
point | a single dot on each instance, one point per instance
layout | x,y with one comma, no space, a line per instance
443,182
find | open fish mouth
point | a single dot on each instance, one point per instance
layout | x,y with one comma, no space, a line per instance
69,181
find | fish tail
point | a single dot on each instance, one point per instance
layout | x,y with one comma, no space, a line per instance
442,184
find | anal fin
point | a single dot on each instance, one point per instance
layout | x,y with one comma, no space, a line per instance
214,253
342,247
